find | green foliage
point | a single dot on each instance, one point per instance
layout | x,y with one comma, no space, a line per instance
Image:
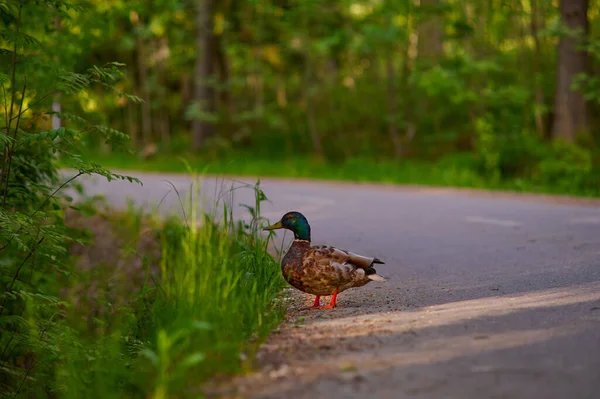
105,331
300,78
199,307
589,83
566,166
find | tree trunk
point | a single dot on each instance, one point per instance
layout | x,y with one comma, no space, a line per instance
186,97
409,56
281,91
410,53
186,87
431,32
204,95
571,115
335,107
132,123
144,89
310,110
223,69
537,55
392,104
132,109
162,118
56,105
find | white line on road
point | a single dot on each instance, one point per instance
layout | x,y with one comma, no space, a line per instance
497,222
586,220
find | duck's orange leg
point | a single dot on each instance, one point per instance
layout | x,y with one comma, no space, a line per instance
317,303
333,299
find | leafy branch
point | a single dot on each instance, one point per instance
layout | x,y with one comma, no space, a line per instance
5,161
12,150
16,275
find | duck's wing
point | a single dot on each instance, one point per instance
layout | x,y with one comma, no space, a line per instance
346,262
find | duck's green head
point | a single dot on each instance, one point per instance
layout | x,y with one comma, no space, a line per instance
296,222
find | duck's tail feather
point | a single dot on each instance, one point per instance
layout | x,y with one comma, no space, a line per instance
377,260
376,277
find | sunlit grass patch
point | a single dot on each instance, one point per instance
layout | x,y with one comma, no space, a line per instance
216,299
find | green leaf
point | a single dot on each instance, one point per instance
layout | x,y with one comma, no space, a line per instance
202,325
150,355
19,38
193,360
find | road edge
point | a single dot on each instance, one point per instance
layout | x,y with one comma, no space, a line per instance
559,199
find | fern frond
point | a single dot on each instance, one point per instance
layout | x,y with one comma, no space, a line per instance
110,133
63,7
19,38
95,169
68,116
5,7
4,139
72,82
15,321
38,297
49,135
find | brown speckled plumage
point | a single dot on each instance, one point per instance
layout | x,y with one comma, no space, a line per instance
320,270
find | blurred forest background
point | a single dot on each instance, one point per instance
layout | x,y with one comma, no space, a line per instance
483,91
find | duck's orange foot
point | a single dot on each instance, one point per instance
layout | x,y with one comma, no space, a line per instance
333,300
316,305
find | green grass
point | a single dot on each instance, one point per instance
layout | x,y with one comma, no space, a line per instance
199,308
452,171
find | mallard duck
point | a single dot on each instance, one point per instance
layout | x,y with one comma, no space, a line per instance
321,270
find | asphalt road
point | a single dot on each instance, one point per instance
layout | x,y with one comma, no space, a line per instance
488,296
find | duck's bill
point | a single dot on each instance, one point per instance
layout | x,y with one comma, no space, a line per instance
275,226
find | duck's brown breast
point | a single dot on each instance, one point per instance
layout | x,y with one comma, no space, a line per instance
291,264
